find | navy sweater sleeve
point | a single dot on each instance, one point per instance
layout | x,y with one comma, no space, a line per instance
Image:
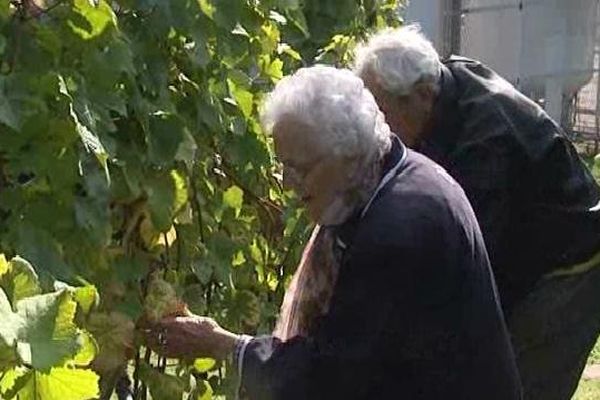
354,341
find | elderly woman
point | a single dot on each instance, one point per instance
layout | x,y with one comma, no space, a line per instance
393,297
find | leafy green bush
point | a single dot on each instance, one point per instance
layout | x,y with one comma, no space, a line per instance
130,145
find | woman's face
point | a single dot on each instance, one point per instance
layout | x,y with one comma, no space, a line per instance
319,179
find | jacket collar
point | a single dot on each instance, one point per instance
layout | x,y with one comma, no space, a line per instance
444,129
394,162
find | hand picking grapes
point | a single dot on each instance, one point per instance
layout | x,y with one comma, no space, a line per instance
162,301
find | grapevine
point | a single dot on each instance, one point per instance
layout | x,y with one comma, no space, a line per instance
136,182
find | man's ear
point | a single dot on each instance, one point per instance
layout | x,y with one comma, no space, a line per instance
425,94
425,91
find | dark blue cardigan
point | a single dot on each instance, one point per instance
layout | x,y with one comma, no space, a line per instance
414,314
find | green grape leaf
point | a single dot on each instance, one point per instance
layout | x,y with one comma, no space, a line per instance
245,308
161,386
165,138
40,248
90,141
243,98
48,336
194,297
167,193
8,116
186,151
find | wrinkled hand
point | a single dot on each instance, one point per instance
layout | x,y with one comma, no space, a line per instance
190,337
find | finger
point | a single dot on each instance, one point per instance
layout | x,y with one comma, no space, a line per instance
151,340
169,322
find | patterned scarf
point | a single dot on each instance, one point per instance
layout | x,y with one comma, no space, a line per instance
309,295
310,291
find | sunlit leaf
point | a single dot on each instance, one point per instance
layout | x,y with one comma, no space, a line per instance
204,364
20,280
87,351
60,384
234,198
4,266
49,335
95,18
243,98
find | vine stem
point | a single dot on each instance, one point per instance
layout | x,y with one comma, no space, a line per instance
196,203
144,391
136,376
167,249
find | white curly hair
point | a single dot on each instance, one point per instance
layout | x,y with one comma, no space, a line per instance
336,104
398,59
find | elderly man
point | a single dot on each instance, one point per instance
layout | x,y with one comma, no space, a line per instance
394,297
538,206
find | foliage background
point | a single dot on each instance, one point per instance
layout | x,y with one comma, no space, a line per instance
130,143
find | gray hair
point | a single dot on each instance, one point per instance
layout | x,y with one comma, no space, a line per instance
336,104
398,59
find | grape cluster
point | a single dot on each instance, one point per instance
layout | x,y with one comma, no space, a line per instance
162,301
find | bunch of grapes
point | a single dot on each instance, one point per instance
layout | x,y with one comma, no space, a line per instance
162,301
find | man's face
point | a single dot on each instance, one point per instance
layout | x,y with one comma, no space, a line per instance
318,179
407,115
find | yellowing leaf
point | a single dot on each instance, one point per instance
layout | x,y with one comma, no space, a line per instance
4,266
96,18
238,259
168,238
207,8
88,350
244,99
204,364
86,297
234,198
181,194
61,384
285,48
20,280
114,333
275,70
9,381
202,391
270,40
